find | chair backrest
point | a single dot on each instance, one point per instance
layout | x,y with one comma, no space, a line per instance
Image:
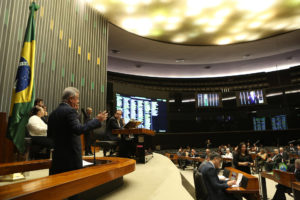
200,187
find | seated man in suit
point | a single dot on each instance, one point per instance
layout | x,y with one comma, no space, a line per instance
281,189
284,155
114,122
215,187
272,163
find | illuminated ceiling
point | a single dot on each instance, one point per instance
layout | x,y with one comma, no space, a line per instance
202,22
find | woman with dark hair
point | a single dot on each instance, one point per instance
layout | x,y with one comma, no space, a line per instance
37,128
242,160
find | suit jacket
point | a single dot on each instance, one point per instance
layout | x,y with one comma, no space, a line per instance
112,124
214,185
65,128
285,156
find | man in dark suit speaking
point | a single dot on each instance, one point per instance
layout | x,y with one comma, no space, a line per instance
65,129
215,187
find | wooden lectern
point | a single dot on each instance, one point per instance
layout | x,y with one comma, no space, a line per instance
142,143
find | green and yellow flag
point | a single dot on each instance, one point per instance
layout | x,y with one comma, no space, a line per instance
23,93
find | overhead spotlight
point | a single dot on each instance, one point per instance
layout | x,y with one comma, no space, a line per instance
246,55
289,57
114,51
138,65
180,60
207,67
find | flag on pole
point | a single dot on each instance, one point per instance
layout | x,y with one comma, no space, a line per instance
23,92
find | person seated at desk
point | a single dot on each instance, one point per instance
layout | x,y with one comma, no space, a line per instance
37,128
114,122
284,155
227,155
261,158
193,154
281,189
242,160
206,155
272,163
215,187
291,148
180,153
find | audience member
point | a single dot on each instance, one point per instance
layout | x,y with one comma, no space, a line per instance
291,148
228,155
284,155
37,128
215,186
273,162
88,135
261,158
206,154
242,160
40,102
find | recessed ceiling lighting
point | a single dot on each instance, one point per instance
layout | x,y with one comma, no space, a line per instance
207,67
180,60
236,21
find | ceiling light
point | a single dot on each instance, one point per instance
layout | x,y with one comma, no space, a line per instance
222,13
210,29
254,24
240,37
224,41
201,21
159,18
255,5
100,8
179,38
130,9
170,27
180,60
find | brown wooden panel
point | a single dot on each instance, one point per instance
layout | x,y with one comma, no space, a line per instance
6,145
63,185
296,186
252,180
10,168
135,131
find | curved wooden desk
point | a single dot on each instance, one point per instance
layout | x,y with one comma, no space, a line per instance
63,185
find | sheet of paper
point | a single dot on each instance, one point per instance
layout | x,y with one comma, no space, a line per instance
85,163
238,181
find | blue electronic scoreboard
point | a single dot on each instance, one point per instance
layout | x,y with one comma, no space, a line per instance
279,122
151,112
259,123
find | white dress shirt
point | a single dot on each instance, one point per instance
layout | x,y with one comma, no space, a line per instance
36,126
228,155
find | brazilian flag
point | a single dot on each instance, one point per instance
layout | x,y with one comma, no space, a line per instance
23,92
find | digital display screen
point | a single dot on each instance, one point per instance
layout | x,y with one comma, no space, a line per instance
151,112
259,123
208,100
252,97
279,122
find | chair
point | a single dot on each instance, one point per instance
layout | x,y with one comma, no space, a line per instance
200,187
107,145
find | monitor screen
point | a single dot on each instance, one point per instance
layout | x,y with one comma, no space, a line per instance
208,100
259,123
252,97
151,112
279,122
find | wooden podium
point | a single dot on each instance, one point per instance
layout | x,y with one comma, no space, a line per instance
142,142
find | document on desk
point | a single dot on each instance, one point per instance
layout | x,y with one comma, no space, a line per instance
238,181
223,178
86,163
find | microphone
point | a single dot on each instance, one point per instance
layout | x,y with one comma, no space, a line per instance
292,141
95,152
